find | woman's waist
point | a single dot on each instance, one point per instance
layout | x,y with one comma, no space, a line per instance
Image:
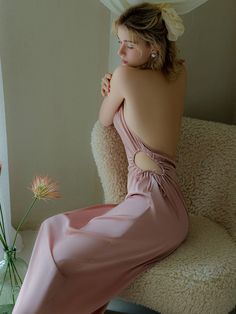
146,162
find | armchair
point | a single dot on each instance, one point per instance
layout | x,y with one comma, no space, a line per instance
199,277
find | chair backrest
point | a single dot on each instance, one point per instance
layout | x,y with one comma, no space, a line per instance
206,167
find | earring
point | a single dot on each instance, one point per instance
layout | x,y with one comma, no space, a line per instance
154,54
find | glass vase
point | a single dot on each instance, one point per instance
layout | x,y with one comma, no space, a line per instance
12,273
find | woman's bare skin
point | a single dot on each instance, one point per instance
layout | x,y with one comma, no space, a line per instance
153,104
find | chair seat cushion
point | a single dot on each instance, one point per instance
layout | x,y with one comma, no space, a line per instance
204,265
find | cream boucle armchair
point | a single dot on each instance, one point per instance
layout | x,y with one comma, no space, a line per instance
200,277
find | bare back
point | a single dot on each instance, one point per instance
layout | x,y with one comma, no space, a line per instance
153,108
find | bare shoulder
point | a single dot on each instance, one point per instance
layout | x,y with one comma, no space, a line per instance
123,72
181,81
183,69
122,77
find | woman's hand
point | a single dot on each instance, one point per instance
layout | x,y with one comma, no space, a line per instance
105,84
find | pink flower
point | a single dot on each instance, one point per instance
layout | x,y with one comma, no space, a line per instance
44,188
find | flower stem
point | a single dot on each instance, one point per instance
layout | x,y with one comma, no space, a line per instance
2,226
10,275
23,220
16,274
3,242
5,275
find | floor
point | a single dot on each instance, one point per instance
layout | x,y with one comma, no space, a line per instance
116,306
120,306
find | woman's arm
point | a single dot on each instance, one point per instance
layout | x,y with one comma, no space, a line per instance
115,98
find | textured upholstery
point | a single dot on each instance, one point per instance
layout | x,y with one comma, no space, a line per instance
199,277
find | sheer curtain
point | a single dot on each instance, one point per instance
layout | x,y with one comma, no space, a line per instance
4,176
181,6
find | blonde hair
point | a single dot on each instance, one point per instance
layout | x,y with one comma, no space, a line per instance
144,21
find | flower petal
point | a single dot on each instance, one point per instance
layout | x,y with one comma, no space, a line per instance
44,188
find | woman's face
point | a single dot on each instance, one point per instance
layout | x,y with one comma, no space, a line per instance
132,54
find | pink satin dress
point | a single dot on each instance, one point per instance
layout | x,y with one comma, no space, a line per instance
84,258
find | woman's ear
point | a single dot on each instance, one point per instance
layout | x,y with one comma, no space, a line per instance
155,48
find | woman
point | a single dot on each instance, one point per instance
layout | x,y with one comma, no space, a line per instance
83,258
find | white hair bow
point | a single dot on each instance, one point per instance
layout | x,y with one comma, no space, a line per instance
171,9
173,22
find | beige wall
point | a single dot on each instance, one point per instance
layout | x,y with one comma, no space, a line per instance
209,47
54,54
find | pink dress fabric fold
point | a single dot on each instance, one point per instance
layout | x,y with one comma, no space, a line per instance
84,258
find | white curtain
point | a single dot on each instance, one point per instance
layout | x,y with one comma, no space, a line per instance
4,177
181,6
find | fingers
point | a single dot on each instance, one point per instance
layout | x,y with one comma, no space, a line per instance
105,84
103,92
108,76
